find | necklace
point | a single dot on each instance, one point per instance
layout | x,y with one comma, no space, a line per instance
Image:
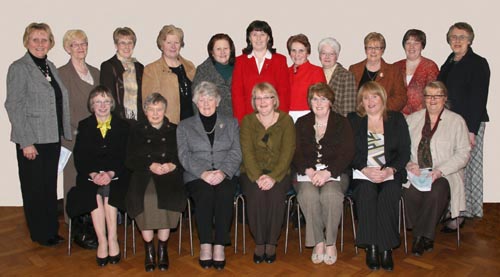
46,72
211,132
370,76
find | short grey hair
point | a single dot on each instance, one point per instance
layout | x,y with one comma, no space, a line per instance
154,98
206,89
329,41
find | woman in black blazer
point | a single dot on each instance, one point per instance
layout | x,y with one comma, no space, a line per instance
122,74
102,178
382,146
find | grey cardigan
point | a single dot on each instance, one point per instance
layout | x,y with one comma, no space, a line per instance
197,155
207,72
31,105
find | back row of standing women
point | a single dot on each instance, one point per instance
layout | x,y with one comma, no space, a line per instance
39,106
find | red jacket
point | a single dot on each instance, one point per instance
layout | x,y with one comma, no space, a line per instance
246,76
300,79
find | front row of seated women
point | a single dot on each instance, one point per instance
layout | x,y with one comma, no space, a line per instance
203,156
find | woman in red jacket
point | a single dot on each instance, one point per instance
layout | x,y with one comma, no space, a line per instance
259,63
302,74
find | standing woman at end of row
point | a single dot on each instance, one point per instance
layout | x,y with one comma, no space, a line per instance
259,63
122,74
171,75
38,109
218,69
467,78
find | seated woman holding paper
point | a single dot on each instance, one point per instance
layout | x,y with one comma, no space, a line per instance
324,150
440,144
382,151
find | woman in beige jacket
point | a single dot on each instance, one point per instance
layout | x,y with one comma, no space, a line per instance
171,75
439,142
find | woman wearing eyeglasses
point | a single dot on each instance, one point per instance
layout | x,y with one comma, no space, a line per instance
440,142
80,78
339,79
267,139
122,74
467,77
374,68
102,178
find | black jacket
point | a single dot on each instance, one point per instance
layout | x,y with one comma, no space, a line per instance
467,81
147,145
396,142
93,153
112,77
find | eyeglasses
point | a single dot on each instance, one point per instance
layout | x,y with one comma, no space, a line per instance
319,100
433,97
327,55
105,102
78,45
263,98
373,48
126,43
458,38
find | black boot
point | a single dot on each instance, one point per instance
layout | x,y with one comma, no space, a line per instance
162,255
150,260
372,257
418,246
386,260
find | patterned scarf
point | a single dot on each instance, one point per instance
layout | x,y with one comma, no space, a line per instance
424,147
130,88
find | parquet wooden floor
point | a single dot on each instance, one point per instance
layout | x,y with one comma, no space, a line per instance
478,255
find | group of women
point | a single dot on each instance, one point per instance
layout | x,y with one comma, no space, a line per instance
159,134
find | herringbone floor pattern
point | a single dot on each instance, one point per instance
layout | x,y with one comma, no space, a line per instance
478,255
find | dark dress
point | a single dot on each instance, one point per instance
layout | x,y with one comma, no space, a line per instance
93,153
147,145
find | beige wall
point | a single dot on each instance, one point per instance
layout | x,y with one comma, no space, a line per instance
348,21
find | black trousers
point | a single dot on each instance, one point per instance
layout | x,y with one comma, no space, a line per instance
38,179
265,209
378,213
213,208
425,209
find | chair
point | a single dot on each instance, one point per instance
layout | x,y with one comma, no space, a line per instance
239,198
402,213
291,196
348,200
188,208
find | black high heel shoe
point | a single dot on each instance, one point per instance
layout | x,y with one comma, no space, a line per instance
115,259
219,265
102,261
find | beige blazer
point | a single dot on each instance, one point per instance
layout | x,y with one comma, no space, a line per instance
450,149
158,77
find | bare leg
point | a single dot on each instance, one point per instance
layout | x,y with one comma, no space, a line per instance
147,235
99,221
110,211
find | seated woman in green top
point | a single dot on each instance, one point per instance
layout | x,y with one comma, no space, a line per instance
267,139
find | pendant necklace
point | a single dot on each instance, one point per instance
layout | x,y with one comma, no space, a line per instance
46,72
371,77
